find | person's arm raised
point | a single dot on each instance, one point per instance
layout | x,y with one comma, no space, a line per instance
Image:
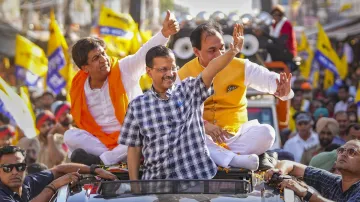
219,63
133,66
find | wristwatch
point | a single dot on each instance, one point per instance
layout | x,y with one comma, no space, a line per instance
92,169
308,195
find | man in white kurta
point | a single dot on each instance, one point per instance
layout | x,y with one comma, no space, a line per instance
225,113
98,98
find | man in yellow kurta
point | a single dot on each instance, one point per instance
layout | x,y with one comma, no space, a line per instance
225,113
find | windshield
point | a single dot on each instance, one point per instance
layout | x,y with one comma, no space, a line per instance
174,187
263,114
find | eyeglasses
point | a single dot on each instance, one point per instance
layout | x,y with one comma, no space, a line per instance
7,168
164,69
350,151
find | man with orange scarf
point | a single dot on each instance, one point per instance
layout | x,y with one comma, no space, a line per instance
100,93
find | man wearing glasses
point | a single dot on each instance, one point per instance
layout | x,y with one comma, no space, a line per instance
15,187
344,187
165,124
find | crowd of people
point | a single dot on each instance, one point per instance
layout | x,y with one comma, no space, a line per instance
187,124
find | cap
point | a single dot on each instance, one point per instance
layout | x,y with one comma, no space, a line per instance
303,117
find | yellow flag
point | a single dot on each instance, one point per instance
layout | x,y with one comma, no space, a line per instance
328,79
315,80
30,61
6,62
60,72
307,55
327,56
18,109
118,31
357,97
343,67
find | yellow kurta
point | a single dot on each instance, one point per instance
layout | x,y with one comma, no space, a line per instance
227,107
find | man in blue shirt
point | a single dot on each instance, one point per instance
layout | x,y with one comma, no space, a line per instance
165,124
38,187
344,187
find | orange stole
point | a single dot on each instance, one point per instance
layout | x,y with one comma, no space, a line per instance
81,114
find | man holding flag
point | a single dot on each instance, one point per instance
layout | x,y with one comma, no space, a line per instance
100,93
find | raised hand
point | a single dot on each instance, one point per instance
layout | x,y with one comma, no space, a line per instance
283,85
170,25
238,37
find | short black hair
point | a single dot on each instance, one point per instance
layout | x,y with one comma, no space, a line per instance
48,93
11,150
356,126
345,87
210,28
4,119
82,47
157,51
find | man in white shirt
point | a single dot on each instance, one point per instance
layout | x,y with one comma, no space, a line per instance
304,139
345,99
100,93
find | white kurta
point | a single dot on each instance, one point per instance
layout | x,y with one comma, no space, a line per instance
102,110
252,137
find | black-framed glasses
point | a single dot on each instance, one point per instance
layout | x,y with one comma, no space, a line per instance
349,151
164,69
7,168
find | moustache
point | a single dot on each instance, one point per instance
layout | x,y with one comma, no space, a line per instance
169,77
16,178
325,143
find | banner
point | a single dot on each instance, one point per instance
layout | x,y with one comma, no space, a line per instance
18,109
60,71
30,61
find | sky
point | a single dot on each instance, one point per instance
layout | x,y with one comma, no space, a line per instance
226,6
